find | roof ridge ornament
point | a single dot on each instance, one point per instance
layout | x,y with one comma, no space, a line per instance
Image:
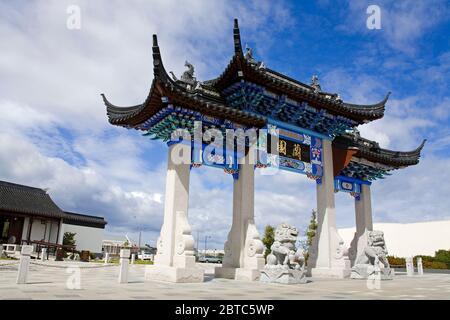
187,78
249,54
315,83
249,57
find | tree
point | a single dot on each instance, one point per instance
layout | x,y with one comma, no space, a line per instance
443,256
311,232
69,238
269,234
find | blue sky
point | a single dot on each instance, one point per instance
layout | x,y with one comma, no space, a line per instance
55,133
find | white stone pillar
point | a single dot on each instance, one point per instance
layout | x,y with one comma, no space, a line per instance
409,266
328,256
175,260
22,274
43,254
419,266
61,232
363,216
106,258
244,251
123,267
133,257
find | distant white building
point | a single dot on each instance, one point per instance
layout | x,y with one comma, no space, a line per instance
410,239
212,252
113,243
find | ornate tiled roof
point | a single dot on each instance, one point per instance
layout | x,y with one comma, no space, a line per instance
203,98
371,151
241,68
270,95
206,97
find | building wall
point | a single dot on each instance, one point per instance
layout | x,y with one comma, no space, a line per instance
410,239
47,231
26,223
37,230
86,238
53,231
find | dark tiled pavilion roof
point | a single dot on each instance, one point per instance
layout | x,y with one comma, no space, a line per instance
21,199
83,219
27,200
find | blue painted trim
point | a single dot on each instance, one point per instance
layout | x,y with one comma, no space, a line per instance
353,180
285,125
171,142
294,140
290,169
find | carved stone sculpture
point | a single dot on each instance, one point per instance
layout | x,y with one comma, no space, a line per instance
285,263
373,256
315,83
187,78
249,54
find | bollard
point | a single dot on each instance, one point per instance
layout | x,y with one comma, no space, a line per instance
22,274
44,252
419,266
106,258
123,271
133,257
409,267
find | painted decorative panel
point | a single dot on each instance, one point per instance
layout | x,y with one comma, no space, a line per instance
292,150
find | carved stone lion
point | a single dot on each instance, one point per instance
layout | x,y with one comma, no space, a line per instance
283,251
374,253
285,263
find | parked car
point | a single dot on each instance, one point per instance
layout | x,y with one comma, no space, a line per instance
145,256
213,260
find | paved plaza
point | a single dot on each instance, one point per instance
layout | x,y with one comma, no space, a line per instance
100,282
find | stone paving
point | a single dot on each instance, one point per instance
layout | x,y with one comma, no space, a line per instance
99,282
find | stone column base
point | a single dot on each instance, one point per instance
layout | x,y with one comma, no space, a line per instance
173,274
281,275
237,273
364,271
337,273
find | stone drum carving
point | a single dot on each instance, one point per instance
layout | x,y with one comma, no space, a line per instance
285,263
373,257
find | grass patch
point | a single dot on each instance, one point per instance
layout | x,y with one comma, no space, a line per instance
143,262
116,261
